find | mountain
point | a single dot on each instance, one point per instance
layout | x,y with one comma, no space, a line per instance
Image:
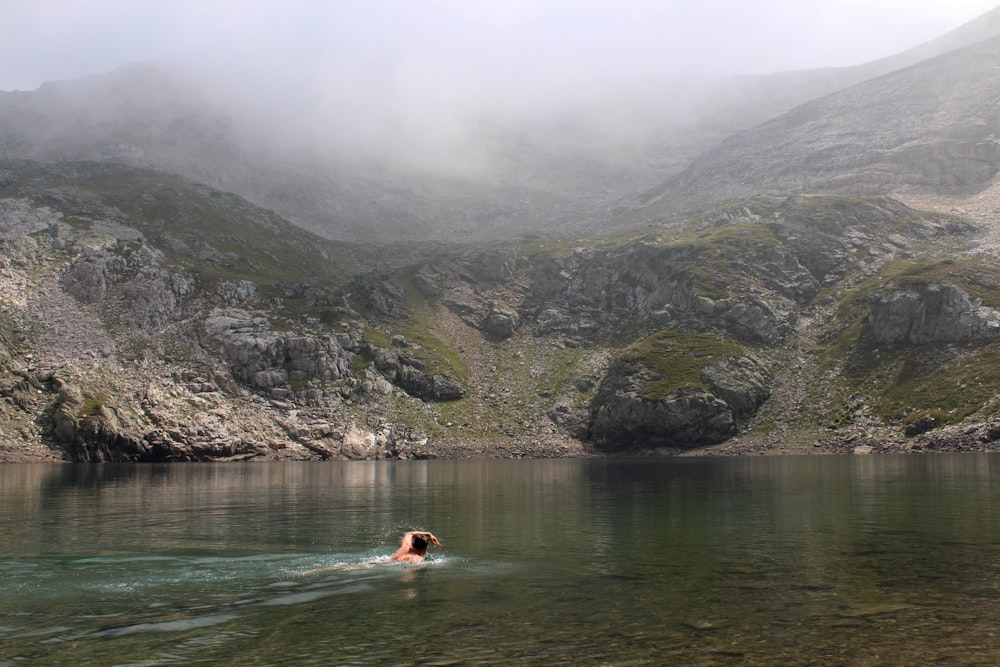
499,178
754,100
181,281
928,128
509,180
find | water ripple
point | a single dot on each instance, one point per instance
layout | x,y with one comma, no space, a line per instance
166,626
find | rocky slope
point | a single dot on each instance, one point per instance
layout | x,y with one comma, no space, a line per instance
927,128
145,318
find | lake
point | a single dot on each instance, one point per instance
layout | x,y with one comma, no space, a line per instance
823,560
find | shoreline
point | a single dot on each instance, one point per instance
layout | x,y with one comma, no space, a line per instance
981,437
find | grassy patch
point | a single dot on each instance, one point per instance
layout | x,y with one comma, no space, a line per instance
92,406
947,392
906,382
437,356
562,367
676,359
376,337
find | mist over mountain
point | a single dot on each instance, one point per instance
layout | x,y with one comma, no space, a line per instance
487,177
466,170
927,128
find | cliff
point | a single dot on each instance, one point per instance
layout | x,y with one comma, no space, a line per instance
146,318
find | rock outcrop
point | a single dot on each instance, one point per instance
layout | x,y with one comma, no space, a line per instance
929,313
625,417
276,362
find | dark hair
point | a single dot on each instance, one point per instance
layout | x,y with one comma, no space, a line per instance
418,542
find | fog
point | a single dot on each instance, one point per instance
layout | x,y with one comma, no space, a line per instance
434,83
532,48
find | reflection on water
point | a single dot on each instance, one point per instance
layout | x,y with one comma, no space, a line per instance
792,560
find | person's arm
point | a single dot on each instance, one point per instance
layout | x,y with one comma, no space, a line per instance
408,538
430,538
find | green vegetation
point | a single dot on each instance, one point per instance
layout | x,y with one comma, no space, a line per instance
216,235
436,355
375,337
676,359
562,367
92,405
948,392
823,209
720,252
906,382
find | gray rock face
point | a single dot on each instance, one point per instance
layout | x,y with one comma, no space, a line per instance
682,420
686,418
435,387
96,429
149,295
928,314
18,217
91,275
742,382
268,360
381,296
652,286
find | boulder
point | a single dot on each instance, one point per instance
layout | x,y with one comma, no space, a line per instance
434,387
268,360
500,323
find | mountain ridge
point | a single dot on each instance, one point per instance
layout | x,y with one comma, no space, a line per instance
900,133
172,297
515,179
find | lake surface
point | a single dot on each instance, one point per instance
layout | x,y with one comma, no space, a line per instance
863,560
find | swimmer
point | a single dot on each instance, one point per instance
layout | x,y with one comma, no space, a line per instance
411,550
413,547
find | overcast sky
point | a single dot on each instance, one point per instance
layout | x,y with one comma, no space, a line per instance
462,43
421,79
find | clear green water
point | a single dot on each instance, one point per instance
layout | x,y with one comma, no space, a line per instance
794,561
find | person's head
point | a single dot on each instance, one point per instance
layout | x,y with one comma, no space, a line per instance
419,543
